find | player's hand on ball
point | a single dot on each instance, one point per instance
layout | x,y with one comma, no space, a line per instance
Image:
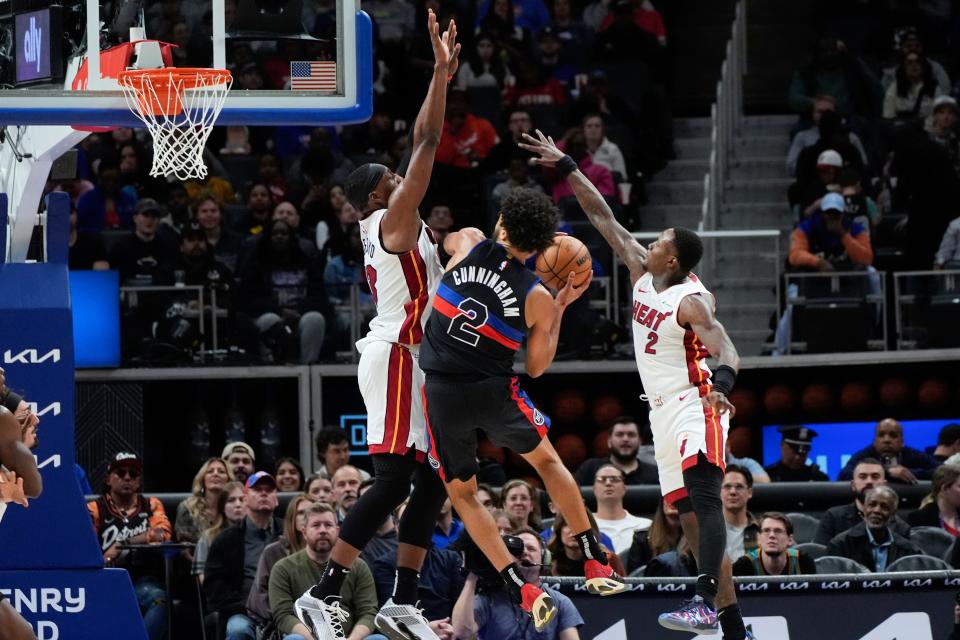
570,291
719,403
11,488
542,145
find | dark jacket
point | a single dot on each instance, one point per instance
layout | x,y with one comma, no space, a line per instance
780,472
919,463
223,577
855,545
926,516
644,474
838,519
441,581
671,565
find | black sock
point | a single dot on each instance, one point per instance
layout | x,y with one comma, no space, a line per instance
590,547
331,582
731,622
514,579
405,586
707,588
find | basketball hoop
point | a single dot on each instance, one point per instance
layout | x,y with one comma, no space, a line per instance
179,108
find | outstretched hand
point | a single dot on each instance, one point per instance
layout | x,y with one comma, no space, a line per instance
445,47
544,146
571,292
11,488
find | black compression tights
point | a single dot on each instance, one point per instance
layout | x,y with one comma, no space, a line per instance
703,482
393,475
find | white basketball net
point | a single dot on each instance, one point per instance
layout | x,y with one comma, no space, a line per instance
179,118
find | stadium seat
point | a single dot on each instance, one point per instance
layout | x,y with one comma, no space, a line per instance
838,564
638,572
933,540
813,549
804,527
624,556
918,563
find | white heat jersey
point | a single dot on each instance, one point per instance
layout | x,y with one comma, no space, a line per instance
402,284
670,358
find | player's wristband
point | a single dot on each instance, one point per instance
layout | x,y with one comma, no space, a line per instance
566,165
12,401
724,378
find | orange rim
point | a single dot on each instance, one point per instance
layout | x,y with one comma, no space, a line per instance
166,81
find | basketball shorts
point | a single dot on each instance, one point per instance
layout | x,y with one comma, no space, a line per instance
390,381
682,428
457,410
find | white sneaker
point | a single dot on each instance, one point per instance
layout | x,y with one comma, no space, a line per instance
403,622
324,618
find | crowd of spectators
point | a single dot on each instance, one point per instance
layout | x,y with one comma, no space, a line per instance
253,565
269,230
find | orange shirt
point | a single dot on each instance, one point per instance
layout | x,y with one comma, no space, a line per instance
467,146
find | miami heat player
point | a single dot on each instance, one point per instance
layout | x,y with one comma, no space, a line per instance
403,271
674,329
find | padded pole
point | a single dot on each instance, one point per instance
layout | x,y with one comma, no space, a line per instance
58,228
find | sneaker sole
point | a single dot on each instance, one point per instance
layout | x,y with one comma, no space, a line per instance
389,628
544,601
605,586
678,626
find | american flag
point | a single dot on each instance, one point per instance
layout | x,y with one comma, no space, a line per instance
313,76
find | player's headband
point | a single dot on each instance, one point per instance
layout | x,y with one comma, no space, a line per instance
361,182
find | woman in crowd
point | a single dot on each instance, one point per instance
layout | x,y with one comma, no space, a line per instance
911,96
521,501
942,507
319,489
230,511
288,543
484,68
289,475
196,513
510,37
662,536
567,557
226,244
488,497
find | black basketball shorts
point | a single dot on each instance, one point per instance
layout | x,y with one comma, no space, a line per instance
456,410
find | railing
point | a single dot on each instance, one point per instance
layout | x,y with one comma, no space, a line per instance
726,118
927,305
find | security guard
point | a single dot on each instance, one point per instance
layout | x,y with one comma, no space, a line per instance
794,449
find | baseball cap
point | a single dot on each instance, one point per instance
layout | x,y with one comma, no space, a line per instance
260,476
799,436
833,202
942,101
829,158
193,230
125,459
148,206
232,447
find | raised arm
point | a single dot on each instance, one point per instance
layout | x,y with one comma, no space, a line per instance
459,243
401,225
697,312
15,455
543,314
632,253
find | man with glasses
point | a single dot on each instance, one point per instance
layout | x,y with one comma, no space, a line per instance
609,487
775,555
742,527
124,515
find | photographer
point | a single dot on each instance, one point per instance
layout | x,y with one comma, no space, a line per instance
485,610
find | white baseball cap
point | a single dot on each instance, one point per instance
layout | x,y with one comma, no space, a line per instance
940,101
829,158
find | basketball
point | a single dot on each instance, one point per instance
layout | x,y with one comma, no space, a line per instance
779,399
566,254
817,398
895,393
856,397
569,405
933,393
739,439
745,400
601,444
606,409
571,449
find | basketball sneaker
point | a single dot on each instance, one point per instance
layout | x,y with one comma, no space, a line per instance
602,580
694,616
324,617
538,604
403,622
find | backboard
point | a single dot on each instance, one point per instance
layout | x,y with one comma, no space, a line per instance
294,62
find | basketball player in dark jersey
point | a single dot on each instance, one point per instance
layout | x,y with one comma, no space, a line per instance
486,306
25,478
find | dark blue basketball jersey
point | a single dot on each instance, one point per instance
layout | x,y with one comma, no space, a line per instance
477,324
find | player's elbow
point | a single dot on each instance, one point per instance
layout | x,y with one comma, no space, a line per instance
32,485
536,369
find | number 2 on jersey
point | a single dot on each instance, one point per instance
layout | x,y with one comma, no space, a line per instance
651,342
372,281
464,327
